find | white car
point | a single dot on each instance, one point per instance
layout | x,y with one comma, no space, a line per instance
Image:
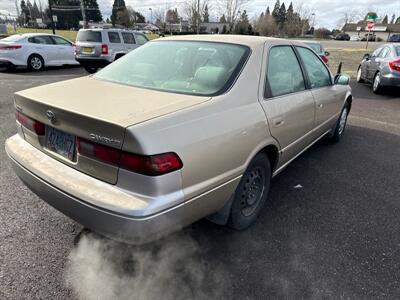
355,38
35,51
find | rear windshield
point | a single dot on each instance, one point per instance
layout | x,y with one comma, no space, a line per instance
188,67
316,47
13,38
89,36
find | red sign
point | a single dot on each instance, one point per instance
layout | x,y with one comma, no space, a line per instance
370,25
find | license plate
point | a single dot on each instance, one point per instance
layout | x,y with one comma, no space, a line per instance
60,142
87,50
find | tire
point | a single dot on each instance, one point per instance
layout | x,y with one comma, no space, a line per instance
35,62
251,193
91,70
359,73
341,124
376,84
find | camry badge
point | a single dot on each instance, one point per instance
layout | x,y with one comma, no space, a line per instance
51,116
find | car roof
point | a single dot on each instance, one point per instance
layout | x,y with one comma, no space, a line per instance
247,40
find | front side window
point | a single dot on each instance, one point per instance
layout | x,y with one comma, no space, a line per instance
141,39
114,37
128,38
284,75
188,67
318,74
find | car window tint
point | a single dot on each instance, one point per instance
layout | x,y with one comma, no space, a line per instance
114,37
61,41
43,40
398,51
318,74
128,38
316,47
385,52
284,74
141,39
88,36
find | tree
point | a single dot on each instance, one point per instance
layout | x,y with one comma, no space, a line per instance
231,10
242,25
372,14
275,12
222,19
194,13
92,11
206,16
282,16
35,13
266,25
385,20
393,19
322,33
25,15
119,14
397,21
267,12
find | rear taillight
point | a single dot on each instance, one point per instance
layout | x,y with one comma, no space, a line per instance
10,47
395,65
152,165
104,49
31,124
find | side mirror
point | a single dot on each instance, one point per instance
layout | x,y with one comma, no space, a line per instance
366,56
327,53
342,80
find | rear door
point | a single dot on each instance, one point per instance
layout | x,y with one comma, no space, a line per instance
129,40
65,50
372,64
45,46
328,96
289,106
115,43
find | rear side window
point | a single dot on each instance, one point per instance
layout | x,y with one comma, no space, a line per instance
398,51
318,74
376,52
385,52
114,37
43,40
128,38
60,41
284,75
141,39
89,36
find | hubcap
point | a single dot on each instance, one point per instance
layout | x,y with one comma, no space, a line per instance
36,63
377,81
342,122
252,191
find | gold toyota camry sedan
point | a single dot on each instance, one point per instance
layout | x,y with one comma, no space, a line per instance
179,129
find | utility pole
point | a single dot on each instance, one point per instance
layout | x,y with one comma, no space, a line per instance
51,18
16,6
83,14
198,16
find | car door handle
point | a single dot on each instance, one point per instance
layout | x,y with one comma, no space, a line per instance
278,122
320,105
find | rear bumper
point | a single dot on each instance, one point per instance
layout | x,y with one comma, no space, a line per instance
92,62
6,63
106,209
391,80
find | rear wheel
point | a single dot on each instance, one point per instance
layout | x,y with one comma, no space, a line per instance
251,193
359,77
91,70
35,62
376,85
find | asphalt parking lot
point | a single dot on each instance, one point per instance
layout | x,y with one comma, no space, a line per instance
336,236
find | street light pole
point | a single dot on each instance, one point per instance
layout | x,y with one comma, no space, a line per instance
198,16
51,18
151,15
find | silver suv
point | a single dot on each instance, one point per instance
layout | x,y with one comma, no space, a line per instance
98,47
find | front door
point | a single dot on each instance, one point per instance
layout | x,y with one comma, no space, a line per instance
288,105
65,51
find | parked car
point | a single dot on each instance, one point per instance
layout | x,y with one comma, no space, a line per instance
35,51
371,37
355,38
381,68
180,129
319,49
96,48
2,36
395,38
342,37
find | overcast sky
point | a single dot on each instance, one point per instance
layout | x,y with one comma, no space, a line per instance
328,13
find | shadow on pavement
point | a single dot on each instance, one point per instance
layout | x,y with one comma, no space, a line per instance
61,70
364,91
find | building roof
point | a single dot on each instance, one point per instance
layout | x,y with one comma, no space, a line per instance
361,26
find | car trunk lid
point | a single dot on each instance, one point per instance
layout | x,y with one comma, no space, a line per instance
94,110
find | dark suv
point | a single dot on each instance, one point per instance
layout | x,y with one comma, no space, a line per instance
395,38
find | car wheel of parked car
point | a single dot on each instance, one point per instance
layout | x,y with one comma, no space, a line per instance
341,124
91,70
35,62
376,86
251,193
359,78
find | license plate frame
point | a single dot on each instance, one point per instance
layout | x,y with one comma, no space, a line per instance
60,142
87,49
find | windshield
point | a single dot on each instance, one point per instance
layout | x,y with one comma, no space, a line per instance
13,38
89,36
316,47
196,68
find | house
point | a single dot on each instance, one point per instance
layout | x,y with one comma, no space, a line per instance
383,31
212,27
